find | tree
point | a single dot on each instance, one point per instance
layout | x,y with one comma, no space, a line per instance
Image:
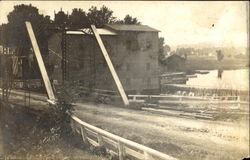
17,33
61,19
167,49
78,19
161,55
100,17
220,55
4,34
128,20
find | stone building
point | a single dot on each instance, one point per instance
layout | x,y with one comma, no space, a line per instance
133,50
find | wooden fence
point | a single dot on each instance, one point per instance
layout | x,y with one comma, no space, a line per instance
184,99
114,144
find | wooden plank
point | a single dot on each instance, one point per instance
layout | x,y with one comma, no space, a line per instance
40,62
84,135
91,132
147,156
110,65
100,140
134,153
111,152
121,151
91,141
110,141
139,101
198,102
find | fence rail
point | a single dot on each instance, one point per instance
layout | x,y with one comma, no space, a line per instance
185,99
114,144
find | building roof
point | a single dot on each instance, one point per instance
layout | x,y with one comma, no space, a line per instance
132,27
101,31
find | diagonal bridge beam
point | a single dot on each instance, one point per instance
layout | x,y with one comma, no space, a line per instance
40,63
110,65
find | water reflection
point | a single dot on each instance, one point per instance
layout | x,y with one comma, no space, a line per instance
220,71
222,79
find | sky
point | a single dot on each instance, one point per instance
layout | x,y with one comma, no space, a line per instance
180,22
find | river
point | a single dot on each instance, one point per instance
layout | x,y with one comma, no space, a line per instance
227,79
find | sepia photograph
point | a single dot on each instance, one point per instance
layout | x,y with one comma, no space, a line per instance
124,80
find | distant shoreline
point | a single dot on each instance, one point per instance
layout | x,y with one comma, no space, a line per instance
210,63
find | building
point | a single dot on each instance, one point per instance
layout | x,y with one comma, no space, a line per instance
133,50
174,63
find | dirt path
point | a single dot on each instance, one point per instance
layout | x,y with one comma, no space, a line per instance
176,136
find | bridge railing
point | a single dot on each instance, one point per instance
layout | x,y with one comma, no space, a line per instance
114,144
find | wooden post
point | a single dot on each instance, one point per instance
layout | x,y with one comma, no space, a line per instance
84,135
100,139
134,97
110,65
147,156
40,62
121,151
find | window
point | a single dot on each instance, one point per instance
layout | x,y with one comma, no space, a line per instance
148,66
148,44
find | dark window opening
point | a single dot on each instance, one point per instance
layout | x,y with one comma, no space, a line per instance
148,44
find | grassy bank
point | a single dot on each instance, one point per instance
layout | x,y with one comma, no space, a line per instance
29,136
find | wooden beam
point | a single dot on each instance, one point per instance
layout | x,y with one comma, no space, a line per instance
40,62
110,65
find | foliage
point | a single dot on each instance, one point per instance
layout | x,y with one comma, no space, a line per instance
101,16
15,30
15,33
167,48
161,55
61,19
78,19
128,20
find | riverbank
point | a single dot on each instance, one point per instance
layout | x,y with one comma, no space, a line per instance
28,136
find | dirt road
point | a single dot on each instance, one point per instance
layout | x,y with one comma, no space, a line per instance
180,137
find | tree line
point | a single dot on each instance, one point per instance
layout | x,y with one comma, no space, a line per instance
14,34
